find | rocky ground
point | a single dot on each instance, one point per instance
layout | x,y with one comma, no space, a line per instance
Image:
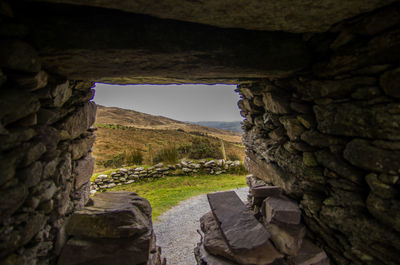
176,228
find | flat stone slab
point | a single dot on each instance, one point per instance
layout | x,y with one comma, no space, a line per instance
215,244
264,191
281,210
240,228
112,215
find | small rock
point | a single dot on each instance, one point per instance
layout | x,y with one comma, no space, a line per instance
310,254
287,238
159,165
209,163
282,211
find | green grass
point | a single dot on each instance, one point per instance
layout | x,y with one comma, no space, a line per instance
165,193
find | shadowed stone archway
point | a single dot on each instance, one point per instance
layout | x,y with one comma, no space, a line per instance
320,101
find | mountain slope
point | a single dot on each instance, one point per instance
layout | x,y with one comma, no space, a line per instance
121,131
131,118
232,126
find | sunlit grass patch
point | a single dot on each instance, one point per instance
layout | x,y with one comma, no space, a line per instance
167,192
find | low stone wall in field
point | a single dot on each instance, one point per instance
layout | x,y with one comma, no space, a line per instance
125,176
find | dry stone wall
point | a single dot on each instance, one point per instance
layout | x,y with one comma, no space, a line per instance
125,176
45,160
330,138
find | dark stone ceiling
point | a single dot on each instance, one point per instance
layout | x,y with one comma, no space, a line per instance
268,15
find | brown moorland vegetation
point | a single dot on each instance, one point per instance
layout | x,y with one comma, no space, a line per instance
114,115
118,136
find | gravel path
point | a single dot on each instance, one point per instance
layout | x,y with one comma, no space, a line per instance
176,230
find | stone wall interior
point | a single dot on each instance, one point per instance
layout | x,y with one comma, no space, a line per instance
320,98
330,138
46,138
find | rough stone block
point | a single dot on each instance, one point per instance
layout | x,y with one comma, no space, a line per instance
17,104
314,138
336,89
385,210
205,258
384,190
81,147
11,199
293,127
287,238
253,181
362,154
271,173
121,251
16,137
83,170
112,215
29,225
79,121
114,228
390,83
242,232
33,151
19,56
265,191
30,82
310,254
357,120
340,166
32,174
279,210
276,102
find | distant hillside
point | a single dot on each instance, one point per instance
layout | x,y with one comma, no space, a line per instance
121,131
113,115
233,126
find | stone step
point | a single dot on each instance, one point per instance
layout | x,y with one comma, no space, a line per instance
281,210
241,230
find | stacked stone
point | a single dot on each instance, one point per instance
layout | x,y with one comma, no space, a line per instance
330,137
113,228
128,176
45,142
233,236
282,219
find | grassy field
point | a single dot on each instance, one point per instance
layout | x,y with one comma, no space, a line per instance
114,140
167,192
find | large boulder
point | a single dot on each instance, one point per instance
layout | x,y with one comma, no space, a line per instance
112,215
113,228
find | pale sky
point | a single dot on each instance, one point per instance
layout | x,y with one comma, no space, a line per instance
179,102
